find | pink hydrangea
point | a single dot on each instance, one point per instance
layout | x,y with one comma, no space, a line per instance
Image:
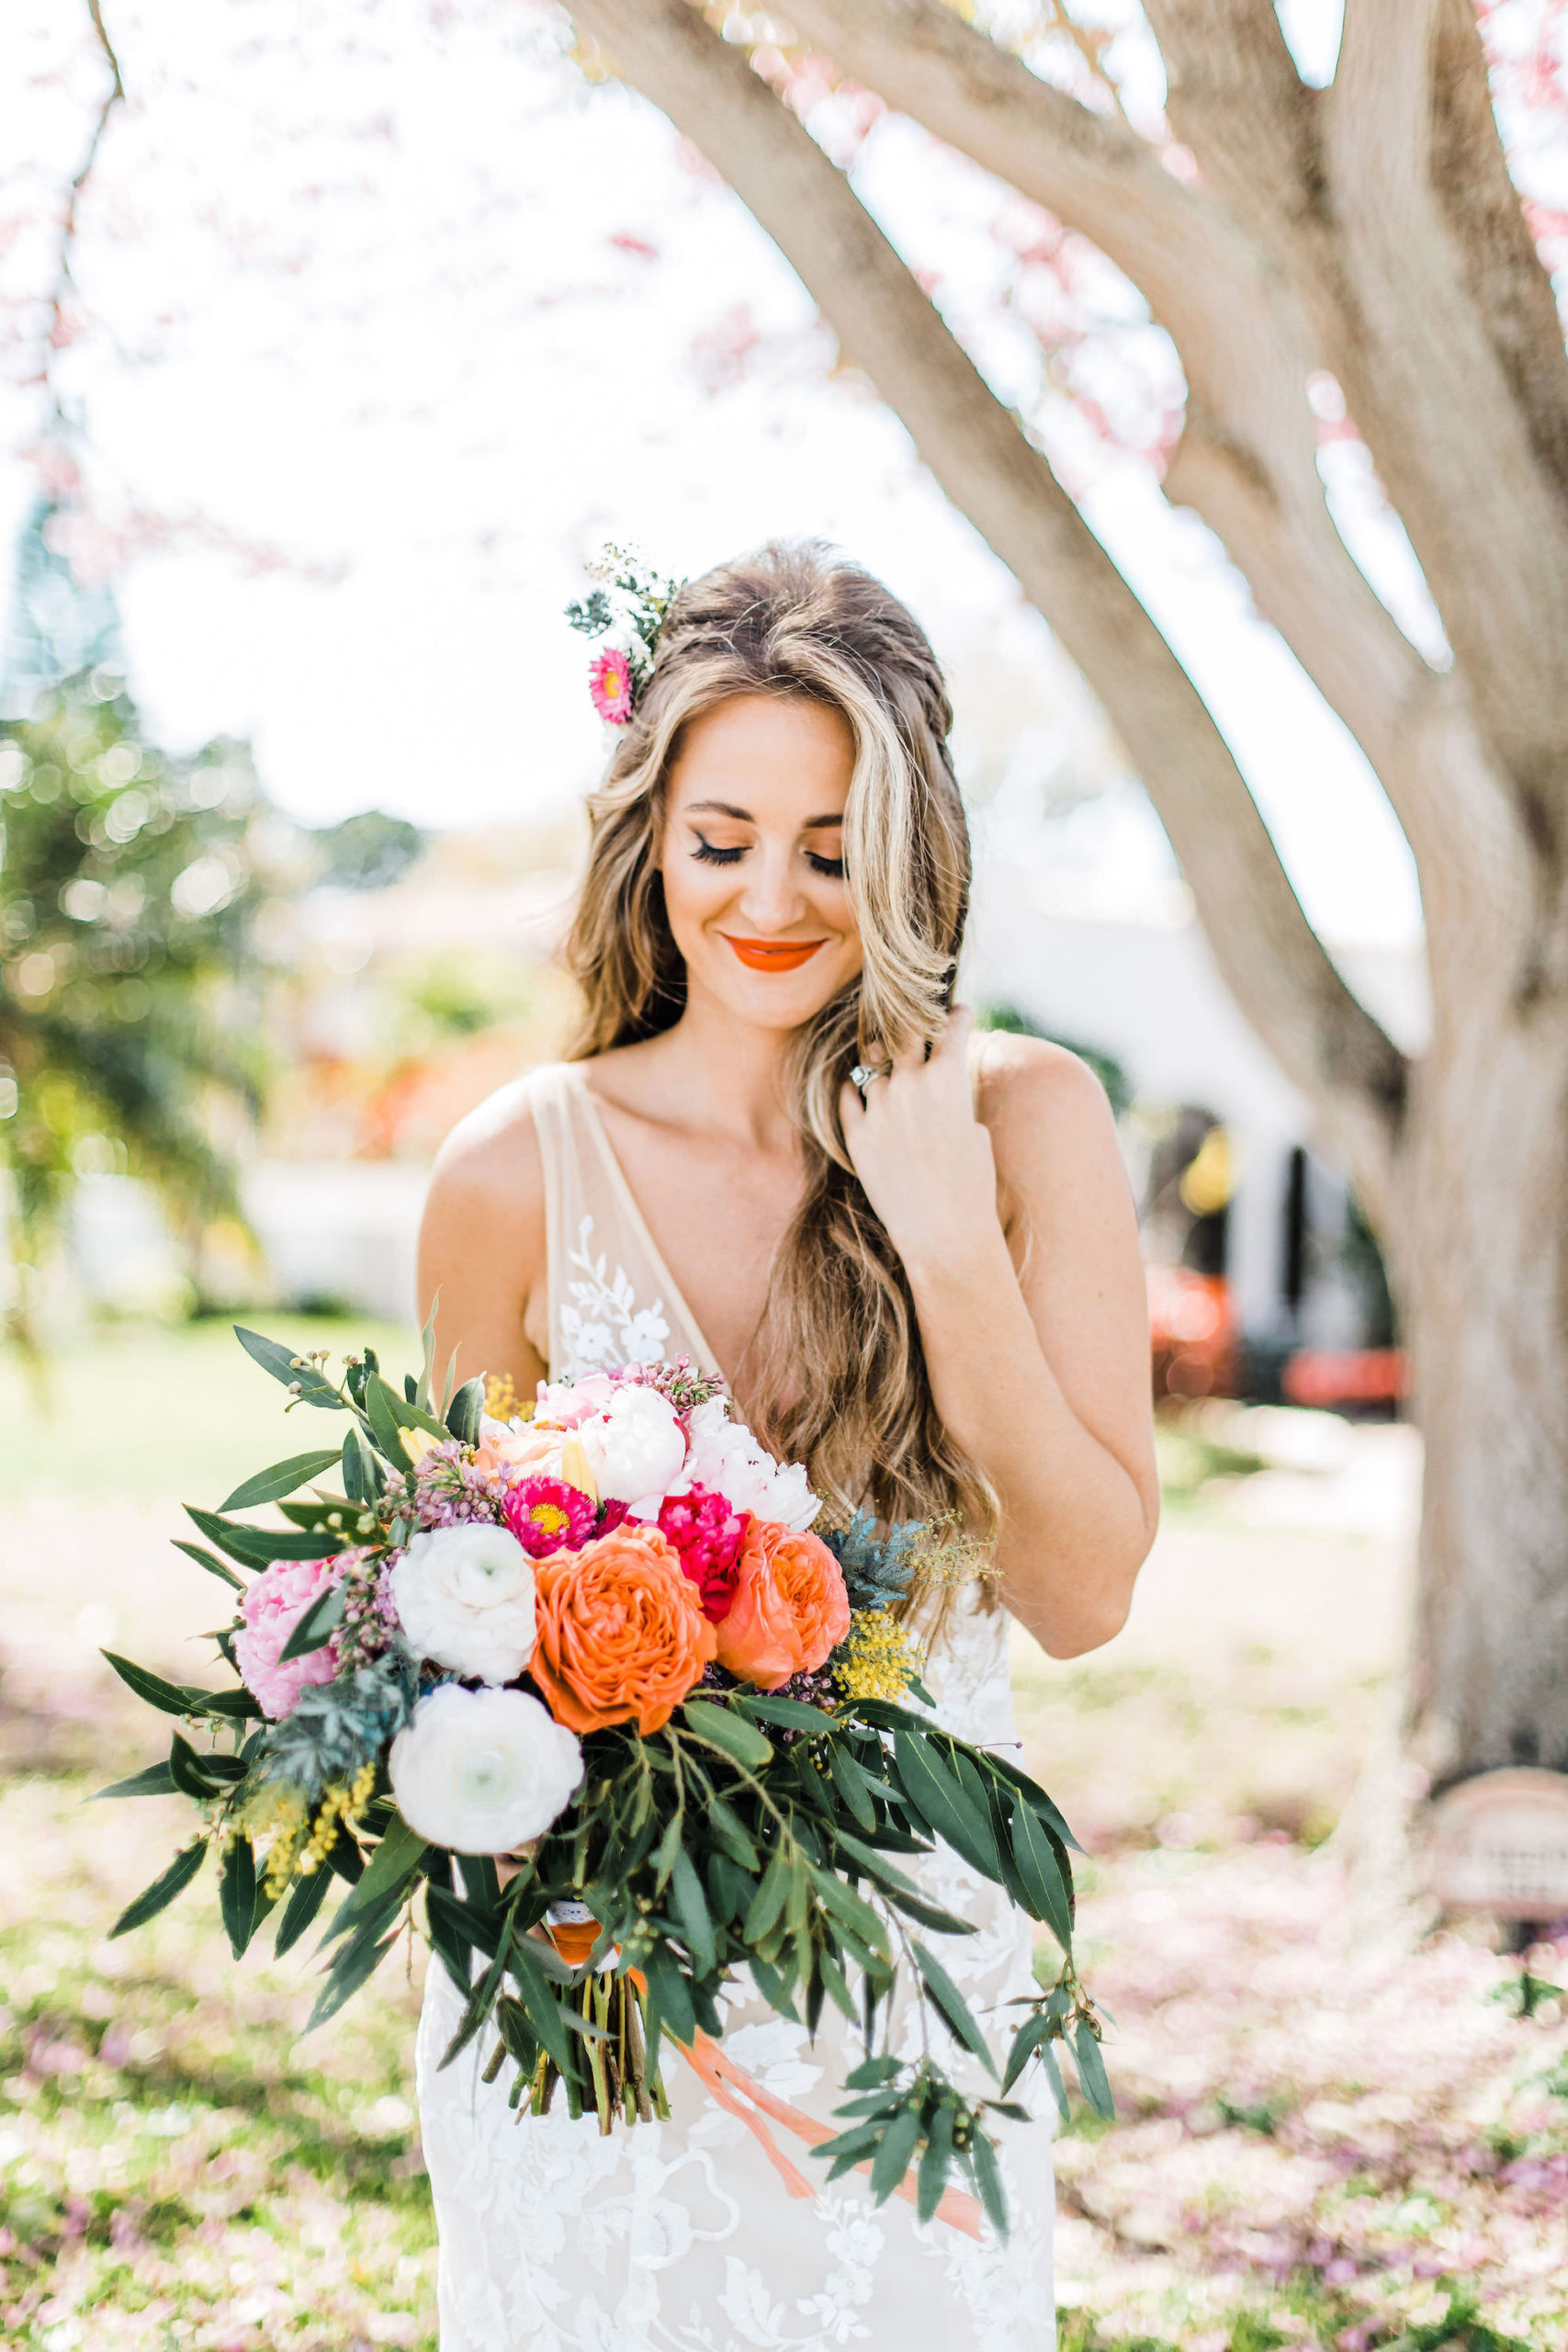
708,1534
610,686
546,1515
271,1610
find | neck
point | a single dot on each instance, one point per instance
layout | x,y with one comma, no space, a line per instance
732,1072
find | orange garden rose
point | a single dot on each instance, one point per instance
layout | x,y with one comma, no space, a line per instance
790,1608
621,1637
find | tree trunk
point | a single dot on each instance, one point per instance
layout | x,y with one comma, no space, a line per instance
1477,1252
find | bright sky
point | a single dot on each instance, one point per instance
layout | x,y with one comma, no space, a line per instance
399,317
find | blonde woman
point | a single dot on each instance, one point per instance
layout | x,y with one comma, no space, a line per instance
912,1254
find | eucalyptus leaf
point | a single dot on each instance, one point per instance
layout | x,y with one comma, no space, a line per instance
156,1781
209,1561
315,1623
163,1891
724,1728
283,1478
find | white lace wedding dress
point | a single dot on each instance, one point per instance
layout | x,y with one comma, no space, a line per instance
679,2236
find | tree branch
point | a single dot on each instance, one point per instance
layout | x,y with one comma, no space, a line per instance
1328,1044
1246,459
1363,235
54,334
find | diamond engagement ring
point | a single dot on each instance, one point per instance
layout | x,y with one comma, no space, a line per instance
863,1074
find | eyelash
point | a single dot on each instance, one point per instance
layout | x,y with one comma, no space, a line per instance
707,854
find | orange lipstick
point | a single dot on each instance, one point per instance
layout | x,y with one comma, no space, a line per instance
774,955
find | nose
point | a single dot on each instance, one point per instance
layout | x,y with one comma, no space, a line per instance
772,900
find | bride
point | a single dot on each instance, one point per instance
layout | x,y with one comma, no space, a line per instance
924,1283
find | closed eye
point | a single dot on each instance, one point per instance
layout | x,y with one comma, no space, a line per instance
710,855
830,865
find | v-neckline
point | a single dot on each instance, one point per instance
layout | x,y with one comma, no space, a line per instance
639,1223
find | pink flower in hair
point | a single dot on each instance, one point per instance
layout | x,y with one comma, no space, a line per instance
546,1515
707,1535
610,686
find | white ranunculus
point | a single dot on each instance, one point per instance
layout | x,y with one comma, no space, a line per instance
480,1771
723,1456
465,1596
635,1447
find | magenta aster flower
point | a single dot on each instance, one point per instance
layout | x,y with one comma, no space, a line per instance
546,1515
610,684
708,1534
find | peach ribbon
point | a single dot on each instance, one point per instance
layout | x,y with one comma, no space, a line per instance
722,2078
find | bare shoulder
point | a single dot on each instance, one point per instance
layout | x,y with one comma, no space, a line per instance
490,1166
1040,1101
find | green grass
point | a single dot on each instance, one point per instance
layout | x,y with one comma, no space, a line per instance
177,1411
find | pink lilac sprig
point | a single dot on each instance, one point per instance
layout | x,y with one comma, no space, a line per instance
446,1488
368,1623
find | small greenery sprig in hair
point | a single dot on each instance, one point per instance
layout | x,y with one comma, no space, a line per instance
630,609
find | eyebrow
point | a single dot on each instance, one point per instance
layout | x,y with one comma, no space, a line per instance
744,816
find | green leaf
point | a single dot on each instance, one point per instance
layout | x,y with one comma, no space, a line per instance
313,1624
382,1407
988,2181
838,1986
238,1705
891,2161
671,1991
156,1781
170,1697
1092,2079
426,1355
851,1784
237,1895
944,1804
772,1988
163,1891
723,1728
690,1908
1036,1798
791,1712
352,1965
396,1859
283,1478
872,2072
361,1471
732,1834
1041,1880
381,1400
852,1908
257,1547
464,1412
935,2163
877,1865
1025,2042
198,1776
274,1358
953,2005
1053,2076
544,2009
852,2144
300,1911
209,1561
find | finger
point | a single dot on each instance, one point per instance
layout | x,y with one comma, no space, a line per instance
852,1107
912,1057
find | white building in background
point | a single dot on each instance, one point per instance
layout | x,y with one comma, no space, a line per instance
1126,968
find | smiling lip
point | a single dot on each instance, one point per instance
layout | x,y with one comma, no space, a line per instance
774,955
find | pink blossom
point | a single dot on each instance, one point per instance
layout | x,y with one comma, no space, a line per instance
271,1609
610,686
708,1535
546,1515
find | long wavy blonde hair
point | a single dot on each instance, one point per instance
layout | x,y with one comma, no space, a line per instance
836,1378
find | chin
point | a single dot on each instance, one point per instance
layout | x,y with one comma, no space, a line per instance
770,1001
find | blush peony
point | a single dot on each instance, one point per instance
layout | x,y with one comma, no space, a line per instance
464,1596
480,1771
271,1609
635,1447
622,1636
723,1456
790,1609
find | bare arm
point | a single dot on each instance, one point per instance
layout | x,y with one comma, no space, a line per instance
481,1244
1039,1368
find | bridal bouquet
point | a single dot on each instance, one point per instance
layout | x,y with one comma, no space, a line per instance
609,1640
